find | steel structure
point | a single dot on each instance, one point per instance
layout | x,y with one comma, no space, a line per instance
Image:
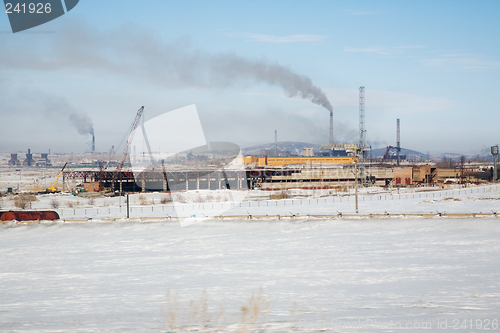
133,127
398,147
362,130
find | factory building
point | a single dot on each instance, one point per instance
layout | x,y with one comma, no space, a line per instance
279,161
14,161
403,175
322,178
30,160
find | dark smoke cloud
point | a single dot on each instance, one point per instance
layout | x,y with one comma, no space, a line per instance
82,122
58,107
142,56
377,144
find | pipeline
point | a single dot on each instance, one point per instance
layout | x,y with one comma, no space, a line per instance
29,216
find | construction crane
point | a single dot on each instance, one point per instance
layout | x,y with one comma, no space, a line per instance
386,155
53,188
132,129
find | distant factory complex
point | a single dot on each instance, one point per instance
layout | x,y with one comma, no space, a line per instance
332,166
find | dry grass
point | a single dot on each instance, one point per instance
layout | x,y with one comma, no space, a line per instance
451,199
72,204
198,312
295,317
171,311
199,199
252,316
180,198
54,203
280,195
143,200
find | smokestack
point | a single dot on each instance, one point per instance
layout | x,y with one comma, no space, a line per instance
93,141
331,127
275,143
398,148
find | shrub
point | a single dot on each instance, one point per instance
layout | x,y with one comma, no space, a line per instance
23,200
54,203
198,199
91,201
166,200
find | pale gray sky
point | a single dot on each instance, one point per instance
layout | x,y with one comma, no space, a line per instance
254,67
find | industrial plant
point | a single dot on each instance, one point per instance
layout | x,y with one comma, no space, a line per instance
332,166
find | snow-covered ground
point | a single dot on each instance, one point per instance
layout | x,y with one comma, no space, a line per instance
294,269
369,275
302,203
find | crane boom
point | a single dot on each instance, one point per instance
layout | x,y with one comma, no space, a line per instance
386,155
53,187
134,126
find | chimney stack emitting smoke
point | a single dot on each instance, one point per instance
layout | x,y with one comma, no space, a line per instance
331,127
175,65
93,141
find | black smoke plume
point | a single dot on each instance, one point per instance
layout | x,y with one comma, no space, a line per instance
173,65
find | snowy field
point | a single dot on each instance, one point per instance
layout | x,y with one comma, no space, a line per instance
369,275
288,268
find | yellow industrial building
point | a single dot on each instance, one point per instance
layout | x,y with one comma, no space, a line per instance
277,161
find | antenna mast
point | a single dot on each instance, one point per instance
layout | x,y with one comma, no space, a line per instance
362,131
398,148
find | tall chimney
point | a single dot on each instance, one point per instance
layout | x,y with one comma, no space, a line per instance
275,143
331,127
93,141
398,148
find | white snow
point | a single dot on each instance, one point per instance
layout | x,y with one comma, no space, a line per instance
336,275
96,271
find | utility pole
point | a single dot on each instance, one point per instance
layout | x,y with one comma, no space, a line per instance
494,152
128,214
